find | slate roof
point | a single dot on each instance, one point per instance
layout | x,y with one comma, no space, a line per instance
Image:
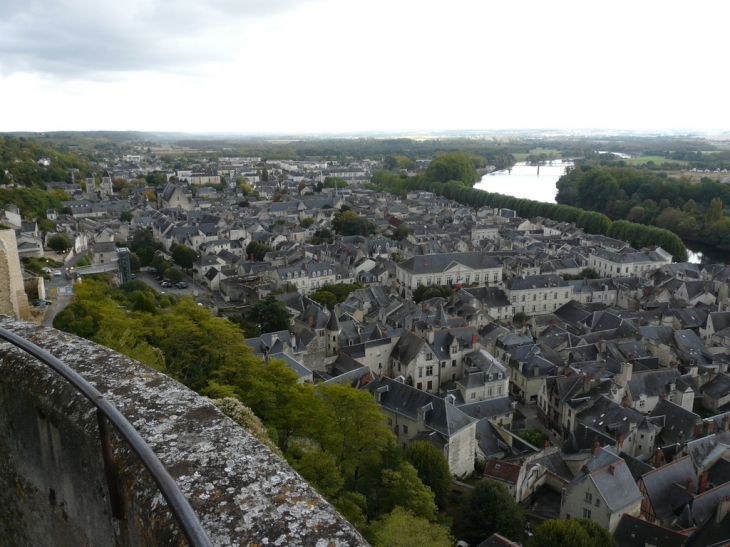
611,477
440,262
652,382
439,415
502,470
677,423
634,532
659,484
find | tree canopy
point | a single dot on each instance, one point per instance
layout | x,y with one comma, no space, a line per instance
570,533
432,467
453,166
490,508
59,242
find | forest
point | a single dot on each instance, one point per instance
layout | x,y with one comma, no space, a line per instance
690,210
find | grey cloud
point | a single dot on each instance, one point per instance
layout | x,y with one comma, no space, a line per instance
83,38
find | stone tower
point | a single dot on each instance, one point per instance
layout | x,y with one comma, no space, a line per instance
91,186
105,188
332,332
13,300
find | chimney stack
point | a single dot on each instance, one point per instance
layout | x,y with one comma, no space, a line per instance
658,458
311,321
474,339
689,485
703,483
596,446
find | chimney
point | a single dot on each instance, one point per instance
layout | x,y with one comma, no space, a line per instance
658,458
474,339
274,338
292,339
304,253
689,485
627,371
484,255
632,425
698,430
429,336
709,426
425,261
620,440
703,483
596,445
722,508
725,422
311,321
304,265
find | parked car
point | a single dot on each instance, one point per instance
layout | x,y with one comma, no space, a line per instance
166,284
48,270
41,302
182,285
57,273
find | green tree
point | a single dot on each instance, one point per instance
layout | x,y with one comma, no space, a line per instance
403,488
59,242
423,292
351,428
325,298
126,216
570,533
401,528
258,250
264,175
306,222
270,314
456,166
174,275
714,213
184,256
349,223
490,508
321,471
432,468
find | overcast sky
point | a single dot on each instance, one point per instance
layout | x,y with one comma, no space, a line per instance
287,66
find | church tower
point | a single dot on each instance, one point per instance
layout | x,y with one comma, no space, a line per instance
91,186
332,332
106,189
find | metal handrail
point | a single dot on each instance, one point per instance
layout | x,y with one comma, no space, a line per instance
188,521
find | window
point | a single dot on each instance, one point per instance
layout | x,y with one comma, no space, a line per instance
454,349
405,429
419,385
420,372
429,370
598,502
429,356
566,294
589,496
586,513
443,364
523,298
429,386
473,395
499,390
642,402
497,466
476,278
453,362
534,297
489,392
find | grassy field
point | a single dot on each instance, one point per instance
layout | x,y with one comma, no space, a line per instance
655,159
522,156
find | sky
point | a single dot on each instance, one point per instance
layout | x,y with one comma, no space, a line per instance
345,66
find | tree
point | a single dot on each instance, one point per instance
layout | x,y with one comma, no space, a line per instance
424,292
184,256
325,298
403,488
270,314
351,428
349,223
320,470
264,175
174,275
490,508
306,222
570,533
432,468
456,166
714,212
59,242
126,216
258,250
134,262
402,529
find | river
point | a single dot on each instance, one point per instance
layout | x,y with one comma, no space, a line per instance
532,182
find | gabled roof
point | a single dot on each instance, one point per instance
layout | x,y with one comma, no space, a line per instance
659,482
437,414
